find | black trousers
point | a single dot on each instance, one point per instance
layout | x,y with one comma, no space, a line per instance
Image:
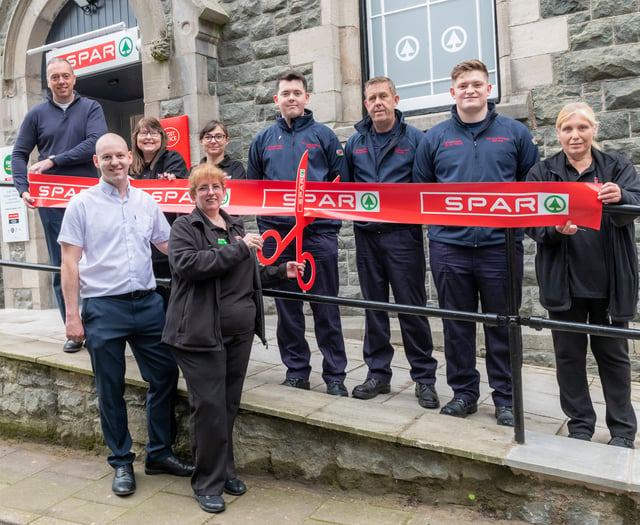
214,381
612,357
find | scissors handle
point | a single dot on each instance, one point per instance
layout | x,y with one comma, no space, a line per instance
311,264
280,246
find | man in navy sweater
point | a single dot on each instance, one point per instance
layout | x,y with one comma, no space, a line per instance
274,155
65,129
390,254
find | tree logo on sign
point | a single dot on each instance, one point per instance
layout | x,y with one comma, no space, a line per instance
125,47
555,204
369,201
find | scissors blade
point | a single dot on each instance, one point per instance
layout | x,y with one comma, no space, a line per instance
301,185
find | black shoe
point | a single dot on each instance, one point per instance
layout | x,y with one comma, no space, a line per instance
235,487
71,347
582,436
504,416
337,388
427,396
124,481
459,408
296,382
169,465
370,389
619,441
213,504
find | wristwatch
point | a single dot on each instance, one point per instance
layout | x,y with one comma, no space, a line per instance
52,158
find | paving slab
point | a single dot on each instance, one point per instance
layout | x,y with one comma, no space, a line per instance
572,459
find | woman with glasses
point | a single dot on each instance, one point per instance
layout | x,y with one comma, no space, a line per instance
590,276
214,311
152,160
150,157
214,138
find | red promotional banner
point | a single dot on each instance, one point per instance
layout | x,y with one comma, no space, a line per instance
514,204
177,129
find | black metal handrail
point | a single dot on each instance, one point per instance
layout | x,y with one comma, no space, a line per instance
512,320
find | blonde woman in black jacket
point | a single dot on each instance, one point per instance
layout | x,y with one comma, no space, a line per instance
590,276
214,311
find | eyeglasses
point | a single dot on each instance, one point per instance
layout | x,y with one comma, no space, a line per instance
219,137
148,133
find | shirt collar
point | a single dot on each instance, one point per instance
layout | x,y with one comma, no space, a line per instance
111,190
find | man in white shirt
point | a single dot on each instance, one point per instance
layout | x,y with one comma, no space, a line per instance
106,257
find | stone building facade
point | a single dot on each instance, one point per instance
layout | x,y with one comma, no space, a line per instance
219,59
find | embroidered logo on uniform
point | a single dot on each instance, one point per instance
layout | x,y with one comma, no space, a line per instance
402,151
534,141
452,143
271,148
361,150
339,153
498,139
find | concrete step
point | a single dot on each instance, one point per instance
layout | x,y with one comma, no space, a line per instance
386,445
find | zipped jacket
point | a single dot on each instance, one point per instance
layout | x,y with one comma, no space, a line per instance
552,257
499,149
394,162
275,154
70,135
198,263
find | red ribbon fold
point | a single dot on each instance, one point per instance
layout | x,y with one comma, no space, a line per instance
508,204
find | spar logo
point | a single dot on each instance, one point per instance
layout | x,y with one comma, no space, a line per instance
100,53
555,204
125,47
227,197
6,165
90,56
498,205
368,201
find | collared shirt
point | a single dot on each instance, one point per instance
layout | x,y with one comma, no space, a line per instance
114,234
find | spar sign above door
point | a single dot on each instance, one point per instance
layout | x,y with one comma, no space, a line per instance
98,54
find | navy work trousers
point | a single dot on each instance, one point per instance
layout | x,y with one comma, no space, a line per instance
294,349
110,323
614,368
51,223
463,275
394,258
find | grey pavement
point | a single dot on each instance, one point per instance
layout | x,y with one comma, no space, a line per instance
48,484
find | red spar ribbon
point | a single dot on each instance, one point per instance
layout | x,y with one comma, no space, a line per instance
515,204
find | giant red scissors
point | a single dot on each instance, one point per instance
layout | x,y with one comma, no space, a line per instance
296,231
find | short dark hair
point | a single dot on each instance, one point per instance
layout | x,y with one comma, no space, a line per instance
381,80
210,126
291,75
468,65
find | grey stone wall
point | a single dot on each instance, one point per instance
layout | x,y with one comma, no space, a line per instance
38,402
600,67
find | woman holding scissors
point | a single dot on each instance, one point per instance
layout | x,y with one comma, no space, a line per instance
214,310
590,276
